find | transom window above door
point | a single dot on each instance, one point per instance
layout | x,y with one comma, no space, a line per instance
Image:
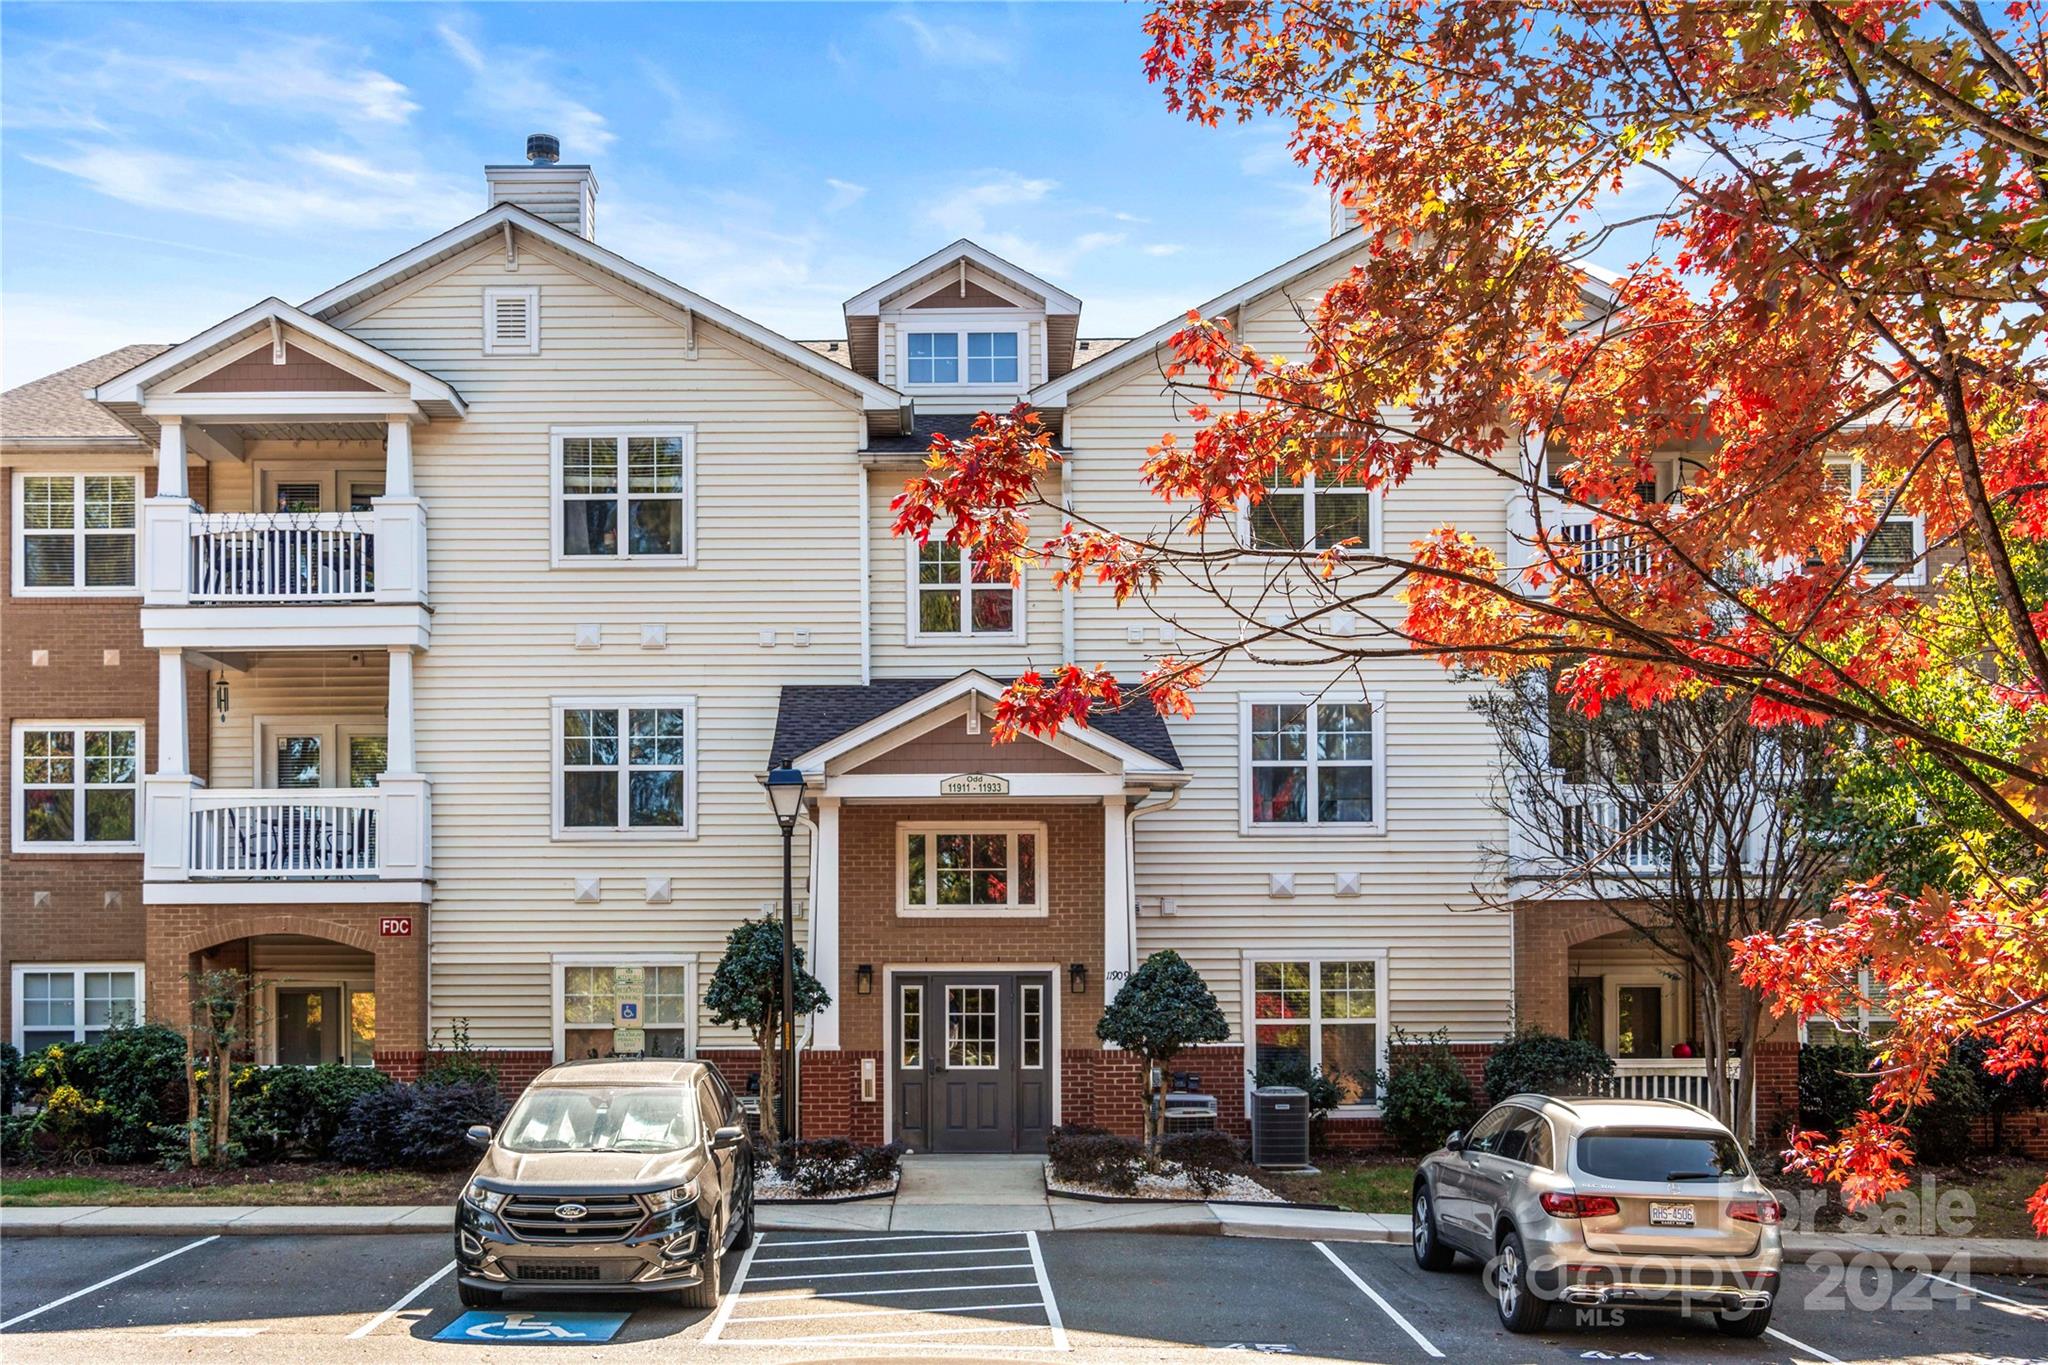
956,597
624,495
625,769
1313,765
970,870
935,357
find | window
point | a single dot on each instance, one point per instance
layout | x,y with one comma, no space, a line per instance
1323,1013
1031,1034
625,495
511,322
314,1023
73,1003
599,1001
625,768
970,870
971,1028
912,1030
1320,512
934,357
950,603
1314,765
76,787
1870,1022
1896,548
74,534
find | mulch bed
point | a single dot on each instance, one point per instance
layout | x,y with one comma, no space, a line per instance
432,1186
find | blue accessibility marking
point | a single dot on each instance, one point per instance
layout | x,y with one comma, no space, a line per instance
534,1329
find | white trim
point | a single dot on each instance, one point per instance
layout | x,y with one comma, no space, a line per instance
1308,490
1312,827
1915,575
1669,986
239,630
1036,908
684,431
78,971
289,893
1056,971
916,637
995,990
78,532
333,731
16,788
622,958
960,324
561,833
531,345
1044,988
349,985
1315,957
870,300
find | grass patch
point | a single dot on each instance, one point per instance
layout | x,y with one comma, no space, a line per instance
1361,1185
143,1186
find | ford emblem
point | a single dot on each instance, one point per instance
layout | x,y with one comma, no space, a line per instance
571,1212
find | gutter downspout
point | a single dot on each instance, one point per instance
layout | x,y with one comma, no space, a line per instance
867,627
1067,596
1131,857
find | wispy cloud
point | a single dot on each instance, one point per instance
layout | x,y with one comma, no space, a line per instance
845,194
964,212
1162,248
514,82
956,44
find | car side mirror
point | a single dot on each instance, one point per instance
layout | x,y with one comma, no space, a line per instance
478,1135
1455,1142
728,1137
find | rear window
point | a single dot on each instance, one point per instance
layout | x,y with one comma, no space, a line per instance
1640,1154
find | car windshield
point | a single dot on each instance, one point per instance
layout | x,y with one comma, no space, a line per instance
602,1118
1624,1154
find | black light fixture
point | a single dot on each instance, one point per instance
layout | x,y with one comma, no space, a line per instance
864,979
1077,977
786,797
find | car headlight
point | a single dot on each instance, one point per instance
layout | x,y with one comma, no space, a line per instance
476,1196
663,1200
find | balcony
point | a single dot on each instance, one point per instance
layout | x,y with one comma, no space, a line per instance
1616,832
271,845
309,557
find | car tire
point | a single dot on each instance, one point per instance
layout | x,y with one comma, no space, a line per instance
704,1294
1430,1251
744,1236
475,1296
1752,1323
1514,1290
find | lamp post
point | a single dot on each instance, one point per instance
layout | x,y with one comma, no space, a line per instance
786,797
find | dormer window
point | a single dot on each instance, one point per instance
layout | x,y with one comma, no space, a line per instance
934,357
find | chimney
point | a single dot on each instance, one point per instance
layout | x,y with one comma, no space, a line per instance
564,195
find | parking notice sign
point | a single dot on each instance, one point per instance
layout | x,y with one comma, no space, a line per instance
534,1329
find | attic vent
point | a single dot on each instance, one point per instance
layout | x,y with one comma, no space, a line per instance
511,322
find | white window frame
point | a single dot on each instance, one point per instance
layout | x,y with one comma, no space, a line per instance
1865,1015
960,328
350,986
946,990
1916,574
1024,1040
1306,491
78,971
1312,827
931,829
687,432
531,346
16,787
77,587
556,992
1315,958
564,833
903,1059
915,635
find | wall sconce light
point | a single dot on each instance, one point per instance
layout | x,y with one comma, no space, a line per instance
220,697
1077,977
864,979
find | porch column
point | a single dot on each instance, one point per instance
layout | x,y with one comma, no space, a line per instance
398,728
1116,897
170,458
825,923
172,750
398,458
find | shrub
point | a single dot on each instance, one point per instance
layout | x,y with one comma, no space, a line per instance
1830,1091
294,1111
1209,1158
12,1089
822,1166
1941,1126
1081,1155
457,1061
1425,1095
415,1125
1161,1009
1544,1064
1323,1094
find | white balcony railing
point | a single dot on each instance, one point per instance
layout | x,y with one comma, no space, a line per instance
262,834
1686,1079
283,557
1618,832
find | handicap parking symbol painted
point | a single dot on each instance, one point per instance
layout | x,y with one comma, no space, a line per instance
534,1329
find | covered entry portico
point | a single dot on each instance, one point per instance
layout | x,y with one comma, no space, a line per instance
971,902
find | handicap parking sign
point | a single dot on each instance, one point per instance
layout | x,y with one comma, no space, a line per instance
629,1009
534,1329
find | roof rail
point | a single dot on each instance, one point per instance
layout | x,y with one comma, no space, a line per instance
1558,1100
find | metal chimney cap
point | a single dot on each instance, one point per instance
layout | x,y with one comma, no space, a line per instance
543,149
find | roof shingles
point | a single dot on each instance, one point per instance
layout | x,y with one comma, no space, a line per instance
810,716
55,407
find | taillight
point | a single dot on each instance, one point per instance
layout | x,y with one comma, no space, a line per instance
1579,1205
1768,1211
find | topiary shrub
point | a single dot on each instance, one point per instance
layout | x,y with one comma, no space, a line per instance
415,1125
1081,1155
1831,1090
1163,1008
1540,1063
295,1111
1209,1158
1424,1095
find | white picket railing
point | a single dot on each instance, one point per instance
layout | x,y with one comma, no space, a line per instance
1665,1078
284,556
303,833
1597,823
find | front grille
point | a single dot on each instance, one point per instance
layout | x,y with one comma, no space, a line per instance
607,1217
558,1270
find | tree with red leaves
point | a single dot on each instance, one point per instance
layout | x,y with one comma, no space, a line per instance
1823,382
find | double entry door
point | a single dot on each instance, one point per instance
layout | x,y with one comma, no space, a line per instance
972,1069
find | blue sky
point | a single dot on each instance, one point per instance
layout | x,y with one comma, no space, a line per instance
162,167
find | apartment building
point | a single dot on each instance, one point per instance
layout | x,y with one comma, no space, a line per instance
419,650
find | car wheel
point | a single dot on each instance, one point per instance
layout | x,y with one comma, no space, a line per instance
1752,1323
1514,1289
704,1293
474,1296
744,1236
1430,1251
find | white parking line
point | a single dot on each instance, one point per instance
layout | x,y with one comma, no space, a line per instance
1799,1345
111,1279
885,1312
774,1294
395,1309
732,1295
2032,1310
882,1255
1052,1307
864,1274
875,1241
906,1332
1373,1294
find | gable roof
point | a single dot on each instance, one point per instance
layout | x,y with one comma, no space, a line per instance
350,293
54,410
869,300
811,717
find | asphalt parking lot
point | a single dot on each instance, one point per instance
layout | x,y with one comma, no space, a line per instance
824,1296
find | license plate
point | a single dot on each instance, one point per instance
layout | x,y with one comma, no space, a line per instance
1671,1215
